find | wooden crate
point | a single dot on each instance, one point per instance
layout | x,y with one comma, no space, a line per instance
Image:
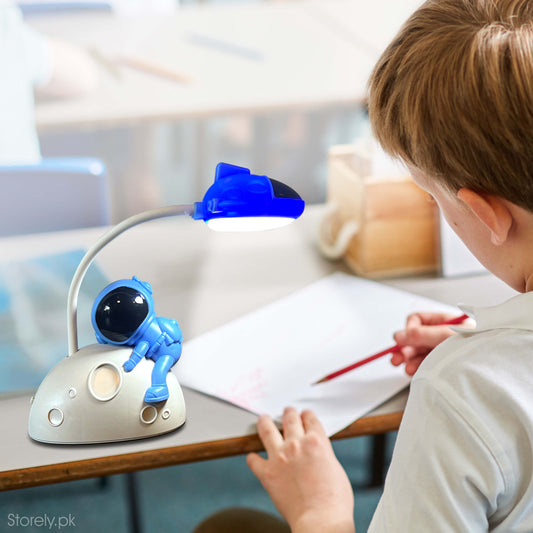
398,225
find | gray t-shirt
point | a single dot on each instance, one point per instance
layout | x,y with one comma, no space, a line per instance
463,460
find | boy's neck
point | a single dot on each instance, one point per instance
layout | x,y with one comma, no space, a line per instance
512,259
521,253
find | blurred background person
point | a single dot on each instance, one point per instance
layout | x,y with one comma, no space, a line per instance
30,63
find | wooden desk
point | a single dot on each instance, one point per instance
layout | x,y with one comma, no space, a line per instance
258,57
308,56
366,26
191,269
242,60
239,58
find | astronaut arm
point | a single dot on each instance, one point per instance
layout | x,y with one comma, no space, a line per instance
172,329
157,344
138,353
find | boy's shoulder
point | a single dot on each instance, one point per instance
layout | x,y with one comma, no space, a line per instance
484,373
496,352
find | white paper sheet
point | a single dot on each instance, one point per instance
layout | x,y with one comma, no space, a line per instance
269,359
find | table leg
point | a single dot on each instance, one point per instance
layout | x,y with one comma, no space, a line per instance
133,502
378,467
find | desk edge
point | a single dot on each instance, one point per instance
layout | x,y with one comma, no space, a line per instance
130,462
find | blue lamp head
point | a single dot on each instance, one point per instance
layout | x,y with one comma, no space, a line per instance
241,201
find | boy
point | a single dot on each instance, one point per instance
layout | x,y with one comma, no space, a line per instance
452,96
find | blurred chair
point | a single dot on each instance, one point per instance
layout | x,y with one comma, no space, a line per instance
54,194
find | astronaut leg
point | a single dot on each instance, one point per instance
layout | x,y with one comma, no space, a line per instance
159,390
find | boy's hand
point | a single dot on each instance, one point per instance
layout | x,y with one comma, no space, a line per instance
302,475
422,333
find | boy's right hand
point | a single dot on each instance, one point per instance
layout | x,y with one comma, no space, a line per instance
422,333
305,480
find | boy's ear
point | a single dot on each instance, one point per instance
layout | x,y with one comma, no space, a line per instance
492,211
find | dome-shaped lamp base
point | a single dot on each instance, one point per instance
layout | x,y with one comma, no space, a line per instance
89,398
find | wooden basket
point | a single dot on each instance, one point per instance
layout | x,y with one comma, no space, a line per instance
393,224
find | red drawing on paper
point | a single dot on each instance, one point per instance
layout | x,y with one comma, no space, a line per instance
246,389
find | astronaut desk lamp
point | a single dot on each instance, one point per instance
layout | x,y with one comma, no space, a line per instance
123,388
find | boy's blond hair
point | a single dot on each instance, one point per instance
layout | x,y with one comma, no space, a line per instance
453,95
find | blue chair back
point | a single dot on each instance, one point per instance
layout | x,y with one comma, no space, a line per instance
54,194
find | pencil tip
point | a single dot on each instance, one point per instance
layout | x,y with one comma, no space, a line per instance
319,381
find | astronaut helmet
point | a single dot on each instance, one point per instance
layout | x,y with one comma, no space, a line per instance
122,311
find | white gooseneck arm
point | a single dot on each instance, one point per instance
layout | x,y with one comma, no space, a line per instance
72,304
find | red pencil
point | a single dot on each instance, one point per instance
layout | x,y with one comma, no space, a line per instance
395,348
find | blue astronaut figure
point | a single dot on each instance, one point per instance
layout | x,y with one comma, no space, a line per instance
123,314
